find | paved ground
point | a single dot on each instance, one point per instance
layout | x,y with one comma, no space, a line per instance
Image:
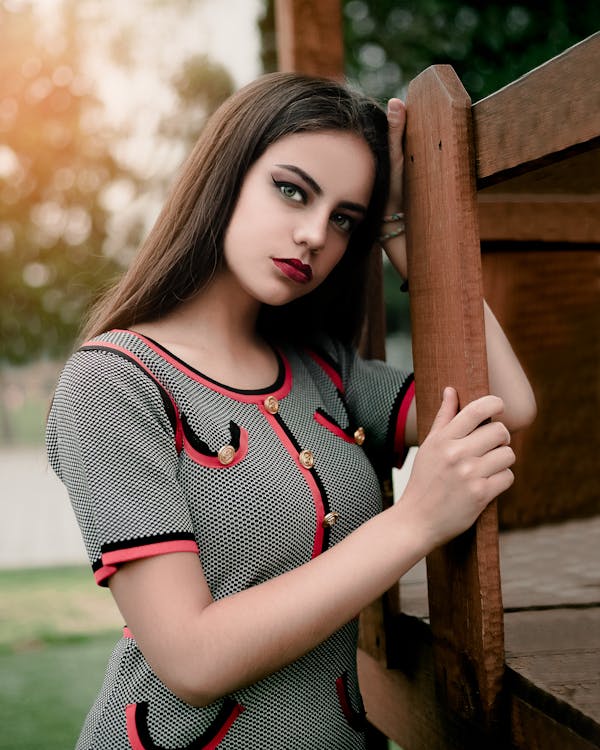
38,527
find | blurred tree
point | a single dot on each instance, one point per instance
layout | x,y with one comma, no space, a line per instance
54,162
489,43
74,202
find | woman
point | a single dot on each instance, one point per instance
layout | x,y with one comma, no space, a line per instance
218,434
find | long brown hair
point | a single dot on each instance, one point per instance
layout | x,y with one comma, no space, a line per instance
184,249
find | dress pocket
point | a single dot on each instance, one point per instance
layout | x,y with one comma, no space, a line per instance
139,734
350,434
226,456
357,719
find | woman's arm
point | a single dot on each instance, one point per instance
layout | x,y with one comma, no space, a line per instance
204,649
506,376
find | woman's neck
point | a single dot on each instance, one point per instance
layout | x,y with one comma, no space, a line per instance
215,332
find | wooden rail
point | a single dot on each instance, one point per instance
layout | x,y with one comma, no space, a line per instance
552,112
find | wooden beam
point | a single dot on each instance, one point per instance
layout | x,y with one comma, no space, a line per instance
405,706
520,217
404,703
446,294
309,37
543,116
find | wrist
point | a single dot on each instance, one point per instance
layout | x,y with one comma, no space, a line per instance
392,225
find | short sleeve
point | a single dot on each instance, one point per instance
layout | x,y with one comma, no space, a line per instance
378,398
111,442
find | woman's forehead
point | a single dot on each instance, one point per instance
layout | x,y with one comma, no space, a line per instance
334,159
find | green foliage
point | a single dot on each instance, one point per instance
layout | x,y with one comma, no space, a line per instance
53,163
66,178
489,44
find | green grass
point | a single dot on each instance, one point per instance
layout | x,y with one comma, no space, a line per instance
57,629
46,692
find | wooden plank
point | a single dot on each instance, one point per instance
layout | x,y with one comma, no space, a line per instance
551,566
404,703
465,602
556,654
547,114
547,302
405,706
309,37
546,567
532,729
543,218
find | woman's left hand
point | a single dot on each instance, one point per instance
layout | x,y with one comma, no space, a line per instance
395,247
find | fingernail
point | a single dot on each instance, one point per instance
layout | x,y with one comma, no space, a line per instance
394,109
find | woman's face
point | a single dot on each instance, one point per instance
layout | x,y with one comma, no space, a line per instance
297,209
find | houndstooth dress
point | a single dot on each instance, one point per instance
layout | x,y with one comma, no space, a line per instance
159,458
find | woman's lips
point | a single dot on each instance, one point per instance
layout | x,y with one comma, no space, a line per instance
294,269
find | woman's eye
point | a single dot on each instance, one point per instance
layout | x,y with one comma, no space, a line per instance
343,222
290,191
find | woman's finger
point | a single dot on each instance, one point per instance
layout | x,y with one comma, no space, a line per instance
396,113
485,438
496,461
474,414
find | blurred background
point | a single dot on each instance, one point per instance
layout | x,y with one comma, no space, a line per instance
100,102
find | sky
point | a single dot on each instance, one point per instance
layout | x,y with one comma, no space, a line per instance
164,34
153,38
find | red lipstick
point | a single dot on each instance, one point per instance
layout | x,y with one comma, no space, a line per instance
294,269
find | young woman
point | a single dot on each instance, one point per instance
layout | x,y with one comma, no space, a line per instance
218,434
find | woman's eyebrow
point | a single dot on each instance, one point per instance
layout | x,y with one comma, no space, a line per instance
306,177
358,207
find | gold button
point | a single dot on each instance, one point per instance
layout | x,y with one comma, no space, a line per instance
226,454
330,519
307,459
271,404
359,436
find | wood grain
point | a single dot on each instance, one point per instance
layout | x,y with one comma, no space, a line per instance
309,37
550,113
547,302
446,292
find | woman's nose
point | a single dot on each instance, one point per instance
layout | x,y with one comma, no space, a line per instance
311,230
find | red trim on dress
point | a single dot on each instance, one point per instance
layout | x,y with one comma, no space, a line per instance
336,429
333,374
340,687
104,573
399,443
127,633
356,719
250,398
309,478
123,350
112,560
212,462
132,732
136,743
148,550
235,712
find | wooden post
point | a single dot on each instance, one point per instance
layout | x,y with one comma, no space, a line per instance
444,262
309,37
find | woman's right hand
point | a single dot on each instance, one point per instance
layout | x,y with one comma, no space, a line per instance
461,466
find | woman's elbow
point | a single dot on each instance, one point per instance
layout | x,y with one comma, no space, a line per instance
187,687
522,413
